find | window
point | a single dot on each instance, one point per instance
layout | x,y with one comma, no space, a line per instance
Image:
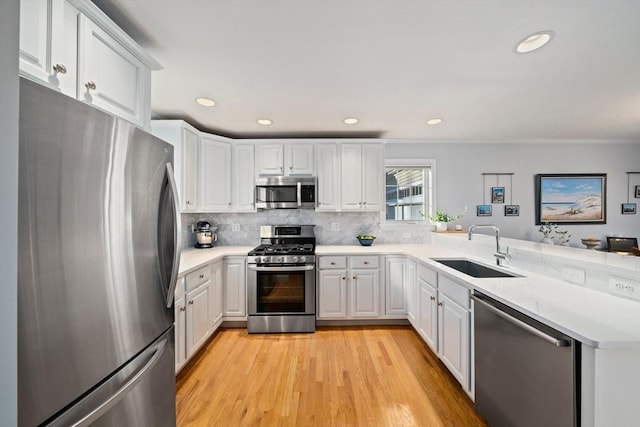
409,190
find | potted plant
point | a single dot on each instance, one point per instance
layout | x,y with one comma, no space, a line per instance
441,219
547,229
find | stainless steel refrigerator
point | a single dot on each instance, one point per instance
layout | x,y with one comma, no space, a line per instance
97,264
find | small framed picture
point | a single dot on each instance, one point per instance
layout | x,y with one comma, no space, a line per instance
629,208
483,210
497,194
637,193
511,210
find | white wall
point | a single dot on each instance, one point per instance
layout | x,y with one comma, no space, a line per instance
9,35
460,183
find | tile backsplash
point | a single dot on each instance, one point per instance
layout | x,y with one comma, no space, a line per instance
348,224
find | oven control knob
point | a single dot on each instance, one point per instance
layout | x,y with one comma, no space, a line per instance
265,259
302,259
294,259
279,259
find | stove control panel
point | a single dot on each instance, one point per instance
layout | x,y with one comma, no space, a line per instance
283,259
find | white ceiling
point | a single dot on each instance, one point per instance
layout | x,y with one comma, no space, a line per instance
309,64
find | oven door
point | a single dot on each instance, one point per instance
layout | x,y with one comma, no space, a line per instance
281,289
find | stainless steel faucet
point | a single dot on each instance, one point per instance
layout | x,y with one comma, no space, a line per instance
498,254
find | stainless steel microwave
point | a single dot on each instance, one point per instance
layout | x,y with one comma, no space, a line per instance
286,192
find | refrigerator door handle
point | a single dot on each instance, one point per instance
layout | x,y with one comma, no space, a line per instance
98,402
175,264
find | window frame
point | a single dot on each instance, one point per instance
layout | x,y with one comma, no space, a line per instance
429,193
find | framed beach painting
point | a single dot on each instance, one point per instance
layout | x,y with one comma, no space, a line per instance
571,198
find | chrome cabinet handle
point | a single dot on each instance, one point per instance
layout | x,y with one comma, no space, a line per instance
183,308
440,304
191,302
432,298
90,85
59,68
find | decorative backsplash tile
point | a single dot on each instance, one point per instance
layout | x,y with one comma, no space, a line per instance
350,224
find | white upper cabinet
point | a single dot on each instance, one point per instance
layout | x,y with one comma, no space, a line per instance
328,167
243,178
73,47
287,159
362,169
186,144
48,43
215,175
109,76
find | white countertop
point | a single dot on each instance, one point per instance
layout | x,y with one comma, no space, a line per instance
594,318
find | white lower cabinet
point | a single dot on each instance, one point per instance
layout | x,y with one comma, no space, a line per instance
198,316
234,290
180,331
445,322
217,284
348,287
413,307
395,285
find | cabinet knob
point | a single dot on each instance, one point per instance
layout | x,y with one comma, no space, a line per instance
281,168
344,278
90,85
432,298
290,168
366,263
440,304
333,263
229,203
191,302
355,277
201,276
183,309
59,68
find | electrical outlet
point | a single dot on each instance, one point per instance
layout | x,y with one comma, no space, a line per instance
193,228
235,227
335,226
624,287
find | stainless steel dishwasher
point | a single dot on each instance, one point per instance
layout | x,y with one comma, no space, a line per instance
526,373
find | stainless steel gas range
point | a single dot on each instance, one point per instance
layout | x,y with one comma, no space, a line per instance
281,280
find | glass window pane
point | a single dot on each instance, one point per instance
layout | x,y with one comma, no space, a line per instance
405,194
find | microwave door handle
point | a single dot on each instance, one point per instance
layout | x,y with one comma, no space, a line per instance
299,193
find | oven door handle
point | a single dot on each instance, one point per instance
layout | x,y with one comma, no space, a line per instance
299,193
301,268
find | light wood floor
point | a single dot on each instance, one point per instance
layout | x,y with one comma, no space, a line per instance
352,376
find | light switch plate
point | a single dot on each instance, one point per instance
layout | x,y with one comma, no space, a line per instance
574,275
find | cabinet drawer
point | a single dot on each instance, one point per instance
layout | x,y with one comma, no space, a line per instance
428,275
333,262
454,291
198,277
365,262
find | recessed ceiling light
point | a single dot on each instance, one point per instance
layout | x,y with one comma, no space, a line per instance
264,122
350,121
435,121
534,41
206,102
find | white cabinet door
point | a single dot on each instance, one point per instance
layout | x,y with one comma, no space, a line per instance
299,159
372,177
270,159
328,177
48,43
453,338
234,292
412,293
243,179
395,284
351,176
198,317
189,168
109,76
179,309
428,317
365,293
332,294
217,282
215,175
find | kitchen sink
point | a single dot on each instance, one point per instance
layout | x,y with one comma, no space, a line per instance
472,268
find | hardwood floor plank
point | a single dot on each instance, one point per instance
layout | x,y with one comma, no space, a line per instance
347,376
